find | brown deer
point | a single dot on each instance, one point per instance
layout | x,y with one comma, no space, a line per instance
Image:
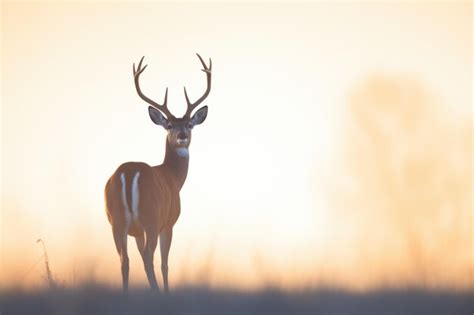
142,200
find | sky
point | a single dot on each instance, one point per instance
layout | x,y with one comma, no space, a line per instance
337,149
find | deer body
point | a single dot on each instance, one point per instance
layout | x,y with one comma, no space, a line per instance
150,196
143,201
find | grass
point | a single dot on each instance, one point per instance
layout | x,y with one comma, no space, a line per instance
96,299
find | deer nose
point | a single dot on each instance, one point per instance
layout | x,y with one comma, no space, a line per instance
182,135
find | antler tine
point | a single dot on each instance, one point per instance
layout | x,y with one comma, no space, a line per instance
186,95
136,75
208,71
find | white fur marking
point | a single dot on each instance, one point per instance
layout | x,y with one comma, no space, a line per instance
182,141
182,152
135,196
124,199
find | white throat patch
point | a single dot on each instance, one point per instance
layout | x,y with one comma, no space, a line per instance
182,152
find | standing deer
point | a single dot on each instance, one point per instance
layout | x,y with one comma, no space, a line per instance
142,200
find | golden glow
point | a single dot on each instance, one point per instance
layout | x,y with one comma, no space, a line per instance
337,149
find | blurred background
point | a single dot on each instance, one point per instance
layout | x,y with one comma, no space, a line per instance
337,150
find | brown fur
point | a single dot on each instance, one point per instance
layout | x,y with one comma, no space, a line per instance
158,205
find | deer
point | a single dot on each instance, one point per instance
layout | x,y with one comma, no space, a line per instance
143,201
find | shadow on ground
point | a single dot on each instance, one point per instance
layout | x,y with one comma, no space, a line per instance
100,300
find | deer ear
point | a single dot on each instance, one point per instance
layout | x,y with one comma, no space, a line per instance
199,116
157,117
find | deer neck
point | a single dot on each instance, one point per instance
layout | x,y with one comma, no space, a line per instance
176,162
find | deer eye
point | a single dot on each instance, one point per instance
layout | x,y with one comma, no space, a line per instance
169,126
190,126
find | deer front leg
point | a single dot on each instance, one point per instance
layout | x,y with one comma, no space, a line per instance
150,247
165,244
140,240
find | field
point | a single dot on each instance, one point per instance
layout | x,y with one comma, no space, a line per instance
200,300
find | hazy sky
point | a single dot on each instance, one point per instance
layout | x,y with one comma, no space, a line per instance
266,199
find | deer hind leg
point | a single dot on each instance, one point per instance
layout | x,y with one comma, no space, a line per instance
120,231
120,238
165,244
149,252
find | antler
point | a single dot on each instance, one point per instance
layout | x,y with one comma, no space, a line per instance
163,108
192,106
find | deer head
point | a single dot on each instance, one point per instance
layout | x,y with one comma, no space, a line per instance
179,129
